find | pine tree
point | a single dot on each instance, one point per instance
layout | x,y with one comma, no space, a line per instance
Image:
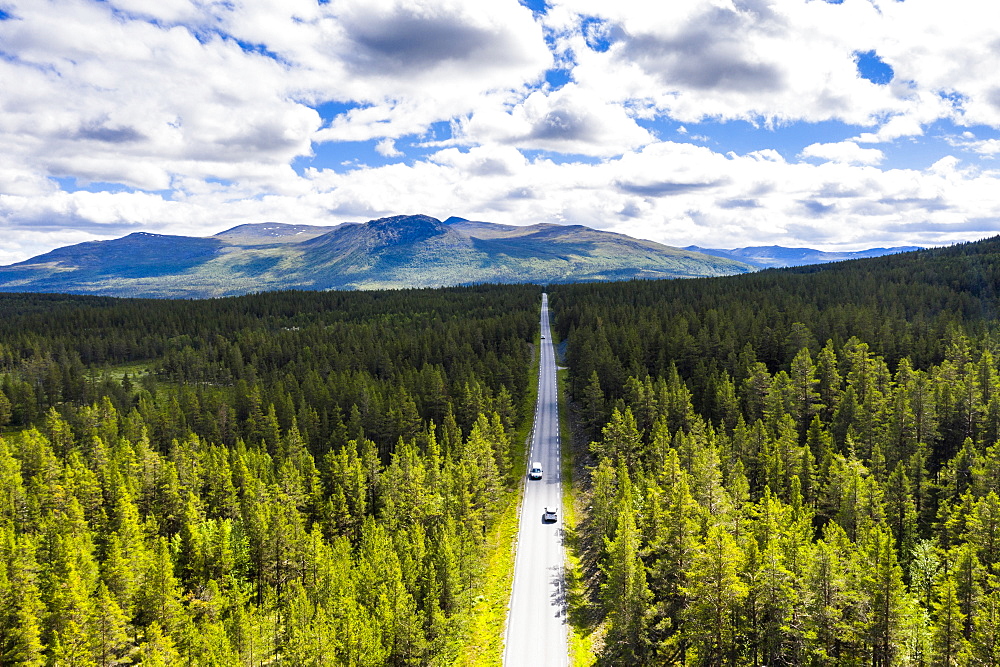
772,586
925,569
828,381
901,513
603,507
804,397
984,644
967,574
20,604
984,531
948,642
158,650
673,542
882,584
106,628
158,593
625,591
827,582
716,593
620,438
727,406
5,409
382,591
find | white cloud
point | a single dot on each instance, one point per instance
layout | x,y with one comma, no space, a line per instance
490,160
968,141
779,62
894,128
756,60
101,98
948,49
987,146
847,152
410,62
205,106
387,148
566,121
674,193
99,91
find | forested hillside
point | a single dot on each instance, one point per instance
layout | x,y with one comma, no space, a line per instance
279,479
792,467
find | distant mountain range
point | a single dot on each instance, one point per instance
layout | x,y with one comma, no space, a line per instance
401,251
775,256
395,252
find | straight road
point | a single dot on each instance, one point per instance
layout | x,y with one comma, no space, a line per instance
536,619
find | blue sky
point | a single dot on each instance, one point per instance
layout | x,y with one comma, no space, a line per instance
720,123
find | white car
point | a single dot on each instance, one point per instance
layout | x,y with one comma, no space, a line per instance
536,470
549,516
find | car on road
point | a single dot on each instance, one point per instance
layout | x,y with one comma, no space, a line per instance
549,516
536,470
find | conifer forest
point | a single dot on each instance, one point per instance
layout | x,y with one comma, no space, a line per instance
796,467
793,467
293,478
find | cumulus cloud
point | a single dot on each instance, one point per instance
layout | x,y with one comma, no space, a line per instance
969,141
92,85
407,63
99,97
565,121
843,151
705,54
777,63
947,50
767,61
986,147
898,126
387,148
674,193
680,194
406,39
662,188
490,160
208,111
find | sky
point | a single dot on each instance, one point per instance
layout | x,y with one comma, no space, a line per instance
719,123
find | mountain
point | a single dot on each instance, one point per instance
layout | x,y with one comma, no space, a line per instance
400,251
776,256
270,232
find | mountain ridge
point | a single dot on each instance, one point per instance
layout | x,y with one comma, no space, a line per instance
392,252
773,256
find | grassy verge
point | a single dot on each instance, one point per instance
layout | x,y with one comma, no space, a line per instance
581,630
484,636
489,613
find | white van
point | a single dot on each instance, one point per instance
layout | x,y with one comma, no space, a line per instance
536,470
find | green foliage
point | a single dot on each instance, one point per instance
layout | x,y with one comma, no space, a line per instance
812,461
301,479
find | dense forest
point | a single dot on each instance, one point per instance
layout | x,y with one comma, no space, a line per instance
796,467
283,479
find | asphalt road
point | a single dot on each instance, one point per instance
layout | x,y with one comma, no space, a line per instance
536,620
